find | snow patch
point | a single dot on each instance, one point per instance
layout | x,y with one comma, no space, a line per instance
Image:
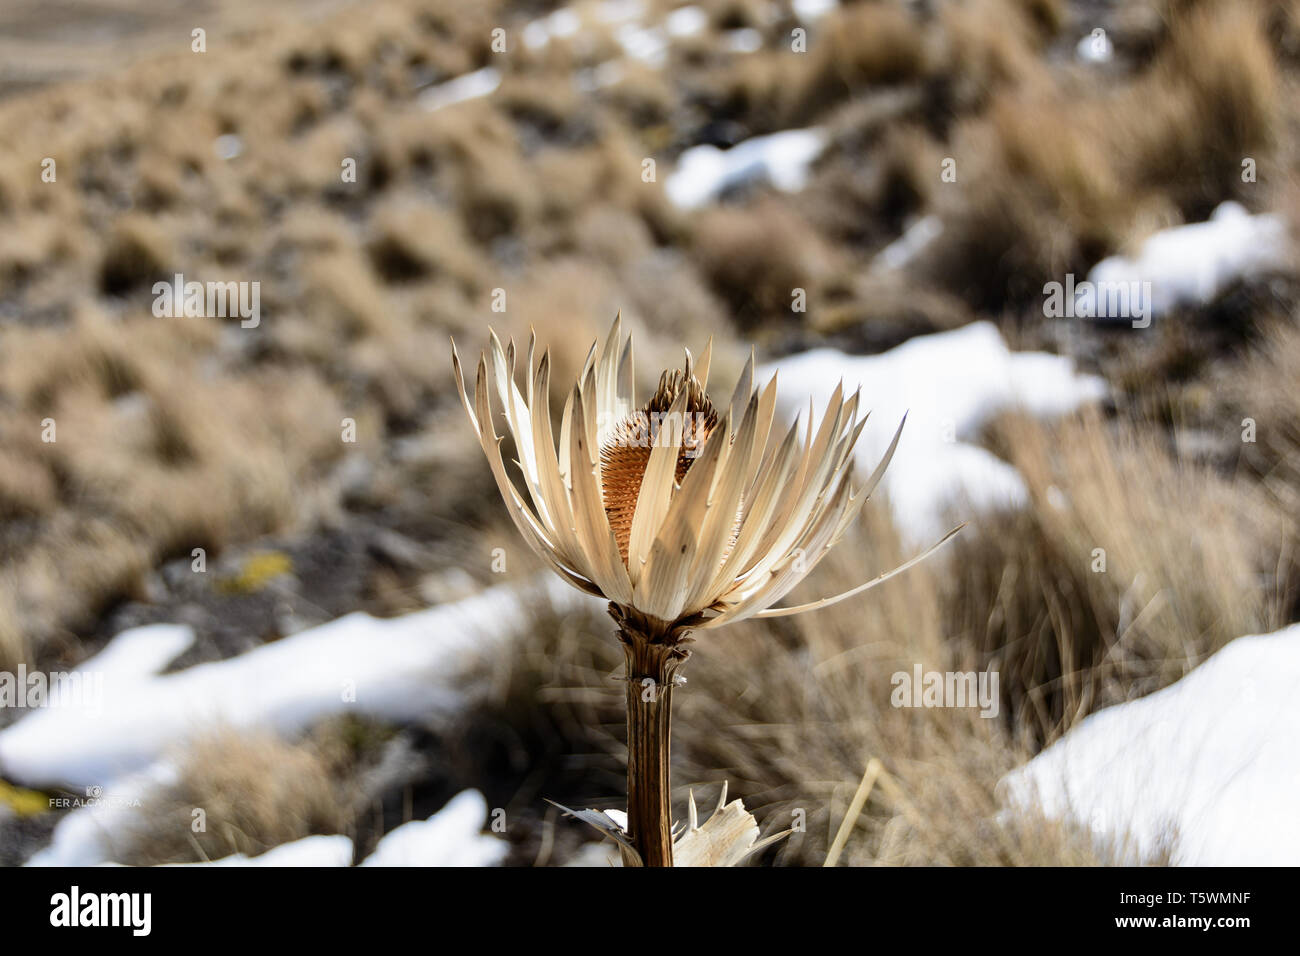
915,238
647,44
228,146
783,159
1190,265
401,668
467,87
1210,761
949,385
1095,48
598,77
314,851
744,40
451,837
141,652
686,22
810,10
620,11
564,22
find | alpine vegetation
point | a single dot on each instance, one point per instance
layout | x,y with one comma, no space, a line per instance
679,535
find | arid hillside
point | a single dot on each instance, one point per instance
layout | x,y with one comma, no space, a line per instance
392,174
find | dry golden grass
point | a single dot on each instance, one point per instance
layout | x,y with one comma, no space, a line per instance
415,239
182,433
987,46
790,713
1066,177
880,176
883,310
1210,100
857,47
149,458
756,257
1274,456
255,792
1129,568
1049,201
178,433
644,98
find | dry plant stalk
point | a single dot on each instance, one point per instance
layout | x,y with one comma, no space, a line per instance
684,519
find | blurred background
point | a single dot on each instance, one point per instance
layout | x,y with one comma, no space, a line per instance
878,189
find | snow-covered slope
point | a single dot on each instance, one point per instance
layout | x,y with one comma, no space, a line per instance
400,668
1210,765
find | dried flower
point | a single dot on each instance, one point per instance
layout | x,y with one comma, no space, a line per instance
682,517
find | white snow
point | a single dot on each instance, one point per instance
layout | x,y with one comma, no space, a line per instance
1191,264
810,10
1095,47
949,384
647,44
599,77
537,34
743,40
139,653
228,146
466,87
1209,764
783,159
451,837
909,245
686,22
400,668
315,851
619,817
619,11
564,22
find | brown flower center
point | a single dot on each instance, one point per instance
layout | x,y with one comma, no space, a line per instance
626,454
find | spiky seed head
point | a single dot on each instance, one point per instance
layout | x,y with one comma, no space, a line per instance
626,453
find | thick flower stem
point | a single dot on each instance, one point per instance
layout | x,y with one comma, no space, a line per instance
650,669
